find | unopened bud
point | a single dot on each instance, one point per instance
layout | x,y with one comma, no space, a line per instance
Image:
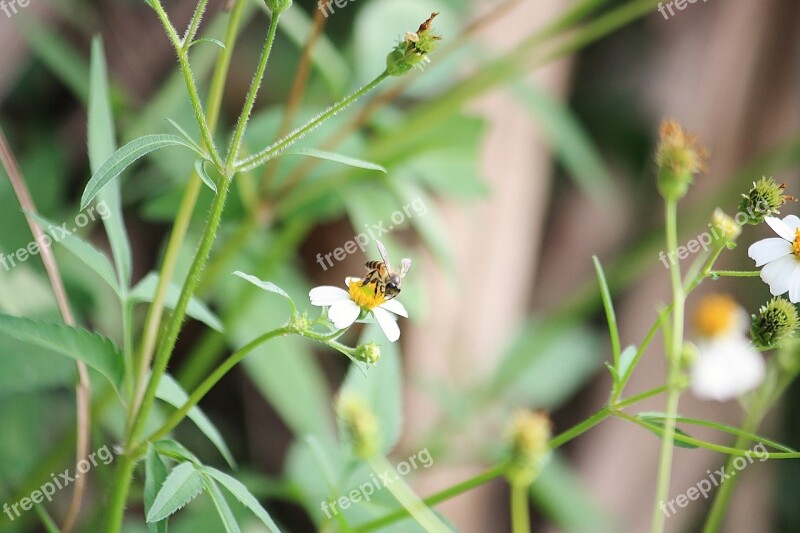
360,425
529,450
413,50
679,157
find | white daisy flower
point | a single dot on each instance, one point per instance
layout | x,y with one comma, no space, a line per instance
728,365
780,257
346,306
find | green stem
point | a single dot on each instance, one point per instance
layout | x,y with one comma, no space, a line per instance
252,93
520,514
119,495
439,497
423,514
271,151
184,216
673,361
198,394
194,24
734,274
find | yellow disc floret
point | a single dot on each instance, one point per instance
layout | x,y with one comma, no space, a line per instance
365,297
796,243
716,315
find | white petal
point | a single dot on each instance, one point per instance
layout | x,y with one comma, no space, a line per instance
794,285
766,250
726,369
395,307
343,313
387,323
350,279
778,274
780,228
791,222
327,295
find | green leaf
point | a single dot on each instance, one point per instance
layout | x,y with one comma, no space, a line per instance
611,317
185,135
655,415
208,40
200,168
267,286
125,157
221,505
175,450
85,252
145,290
569,139
47,521
102,145
659,429
182,486
171,392
626,359
380,386
240,492
337,158
155,476
95,350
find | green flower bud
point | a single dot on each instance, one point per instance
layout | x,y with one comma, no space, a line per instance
776,321
764,199
679,157
412,51
278,6
301,322
360,424
368,353
689,355
529,451
726,228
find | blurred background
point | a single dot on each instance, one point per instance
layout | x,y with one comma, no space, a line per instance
522,153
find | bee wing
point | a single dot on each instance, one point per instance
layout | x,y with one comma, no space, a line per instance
405,264
382,251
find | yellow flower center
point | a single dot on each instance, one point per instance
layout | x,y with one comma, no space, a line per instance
715,315
365,297
796,243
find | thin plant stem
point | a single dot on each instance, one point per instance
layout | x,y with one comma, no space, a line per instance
520,514
271,151
673,362
181,225
83,387
734,274
250,99
417,508
194,24
212,379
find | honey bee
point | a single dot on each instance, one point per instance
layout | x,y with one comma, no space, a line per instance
386,279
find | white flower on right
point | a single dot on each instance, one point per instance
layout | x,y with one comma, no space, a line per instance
346,306
780,257
728,365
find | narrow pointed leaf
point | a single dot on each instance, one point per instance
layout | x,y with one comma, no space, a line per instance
241,493
95,350
182,486
171,392
102,145
125,157
200,168
185,135
221,504
336,158
265,285
208,40
611,316
155,476
85,252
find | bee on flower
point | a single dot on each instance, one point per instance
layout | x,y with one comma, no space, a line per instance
374,294
727,364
